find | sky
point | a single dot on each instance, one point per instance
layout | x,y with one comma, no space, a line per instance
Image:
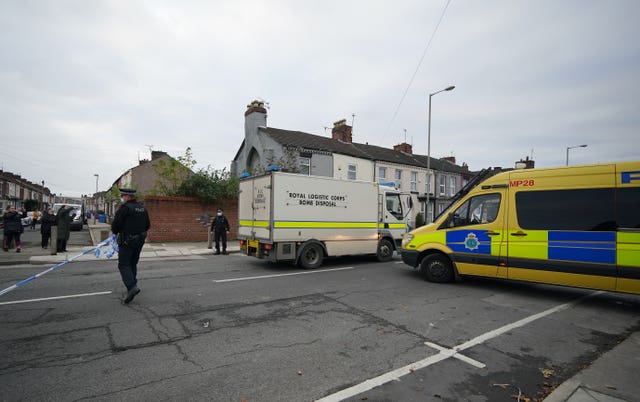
90,87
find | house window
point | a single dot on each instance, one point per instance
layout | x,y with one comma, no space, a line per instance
382,173
427,186
399,179
305,166
442,185
414,181
351,173
453,184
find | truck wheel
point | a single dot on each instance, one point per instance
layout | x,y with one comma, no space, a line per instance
437,268
385,250
311,256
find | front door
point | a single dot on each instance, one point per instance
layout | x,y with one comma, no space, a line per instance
475,234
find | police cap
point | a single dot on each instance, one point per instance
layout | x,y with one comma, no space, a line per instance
127,191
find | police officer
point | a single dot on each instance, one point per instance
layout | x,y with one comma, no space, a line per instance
130,224
220,228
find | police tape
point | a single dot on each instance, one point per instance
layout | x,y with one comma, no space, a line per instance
110,245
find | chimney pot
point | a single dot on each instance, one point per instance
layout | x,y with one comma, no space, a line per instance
256,106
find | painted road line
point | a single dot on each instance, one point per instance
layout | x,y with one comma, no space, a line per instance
410,368
55,298
454,353
250,278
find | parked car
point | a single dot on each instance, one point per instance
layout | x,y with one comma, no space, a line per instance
26,221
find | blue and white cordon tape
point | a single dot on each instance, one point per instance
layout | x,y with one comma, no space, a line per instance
110,246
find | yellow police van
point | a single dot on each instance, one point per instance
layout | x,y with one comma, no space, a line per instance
573,226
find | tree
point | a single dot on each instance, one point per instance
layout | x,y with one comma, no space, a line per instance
178,179
172,173
208,184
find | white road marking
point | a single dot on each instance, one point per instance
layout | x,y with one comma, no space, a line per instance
249,278
55,298
445,354
454,353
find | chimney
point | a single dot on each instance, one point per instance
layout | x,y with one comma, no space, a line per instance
157,154
341,131
451,159
404,147
525,164
257,106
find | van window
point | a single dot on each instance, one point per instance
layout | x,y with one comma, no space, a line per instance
394,206
476,210
586,210
628,208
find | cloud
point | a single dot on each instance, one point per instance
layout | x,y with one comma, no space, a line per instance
88,86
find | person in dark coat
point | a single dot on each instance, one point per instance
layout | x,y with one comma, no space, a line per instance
12,220
64,219
220,228
48,219
130,224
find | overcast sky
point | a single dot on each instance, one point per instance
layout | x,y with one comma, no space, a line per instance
86,87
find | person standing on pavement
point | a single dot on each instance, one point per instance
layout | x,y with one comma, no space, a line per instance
12,220
34,219
64,227
220,228
130,224
48,219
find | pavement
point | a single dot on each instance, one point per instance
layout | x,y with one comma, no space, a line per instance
32,255
613,377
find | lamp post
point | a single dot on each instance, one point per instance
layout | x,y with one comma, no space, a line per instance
95,200
575,146
450,88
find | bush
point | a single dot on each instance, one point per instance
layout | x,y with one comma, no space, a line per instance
419,220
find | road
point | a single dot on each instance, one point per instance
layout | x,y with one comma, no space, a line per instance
233,328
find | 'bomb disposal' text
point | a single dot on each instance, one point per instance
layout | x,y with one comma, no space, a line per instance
318,200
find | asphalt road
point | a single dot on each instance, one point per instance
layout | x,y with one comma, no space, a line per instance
233,328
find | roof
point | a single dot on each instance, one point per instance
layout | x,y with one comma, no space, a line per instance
364,151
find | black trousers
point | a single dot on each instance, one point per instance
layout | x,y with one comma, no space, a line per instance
45,239
220,235
10,238
128,257
62,245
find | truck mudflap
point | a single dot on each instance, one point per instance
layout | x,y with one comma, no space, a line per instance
410,257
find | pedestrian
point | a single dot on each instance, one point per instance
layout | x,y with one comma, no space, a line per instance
64,219
48,219
34,219
220,228
12,221
130,224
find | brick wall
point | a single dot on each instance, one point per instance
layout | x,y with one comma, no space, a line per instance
176,218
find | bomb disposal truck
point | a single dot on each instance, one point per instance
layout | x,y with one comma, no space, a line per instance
573,226
303,219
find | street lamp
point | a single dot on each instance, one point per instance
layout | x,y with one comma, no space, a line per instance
95,200
575,146
450,88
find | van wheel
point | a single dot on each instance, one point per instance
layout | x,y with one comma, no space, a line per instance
437,268
385,250
311,256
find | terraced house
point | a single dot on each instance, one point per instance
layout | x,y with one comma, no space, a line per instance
338,156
